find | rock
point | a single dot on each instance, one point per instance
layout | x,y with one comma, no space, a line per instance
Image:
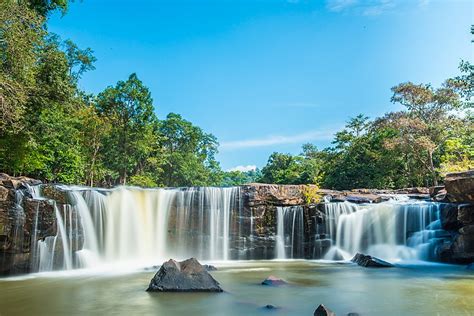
184,276
460,186
269,306
4,194
273,281
467,230
470,267
353,314
53,192
466,214
323,311
463,249
370,262
209,267
435,190
448,216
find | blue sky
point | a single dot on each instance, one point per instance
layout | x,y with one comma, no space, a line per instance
270,75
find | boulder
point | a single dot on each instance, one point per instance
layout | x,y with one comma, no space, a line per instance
184,276
370,262
460,186
323,311
463,249
273,281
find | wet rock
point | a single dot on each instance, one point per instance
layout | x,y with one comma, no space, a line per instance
463,249
449,217
209,267
273,281
470,267
370,262
323,311
269,306
467,230
466,214
55,193
460,186
353,314
184,276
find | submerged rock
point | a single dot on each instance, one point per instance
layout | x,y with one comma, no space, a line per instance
184,276
269,306
323,311
209,267
370,262
470,267
273,281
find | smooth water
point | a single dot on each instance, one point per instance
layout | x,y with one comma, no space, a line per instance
418,289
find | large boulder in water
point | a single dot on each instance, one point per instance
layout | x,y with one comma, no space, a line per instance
184,276
323,311
460,186
370,262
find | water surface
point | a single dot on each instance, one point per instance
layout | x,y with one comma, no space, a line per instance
408,289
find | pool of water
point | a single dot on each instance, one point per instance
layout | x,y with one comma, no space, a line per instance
408,289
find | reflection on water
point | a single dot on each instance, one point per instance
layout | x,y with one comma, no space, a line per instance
405,290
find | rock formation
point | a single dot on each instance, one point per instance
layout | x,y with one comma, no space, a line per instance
184,276
370,262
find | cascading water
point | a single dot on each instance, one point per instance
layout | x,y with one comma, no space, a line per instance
290,232
391,230
141,226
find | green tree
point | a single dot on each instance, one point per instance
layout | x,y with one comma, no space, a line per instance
128,107
189,154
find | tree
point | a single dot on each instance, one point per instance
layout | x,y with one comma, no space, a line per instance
188,154
430,110
128,107
282,169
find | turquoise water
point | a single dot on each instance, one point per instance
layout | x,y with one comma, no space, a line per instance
408,289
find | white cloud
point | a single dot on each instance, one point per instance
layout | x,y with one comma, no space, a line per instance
277,140
243,168
340,5
364,7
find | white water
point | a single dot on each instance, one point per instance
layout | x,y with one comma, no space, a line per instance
142,227
132,226
290,232
392,230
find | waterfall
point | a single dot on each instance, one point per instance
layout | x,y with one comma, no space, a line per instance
290,232
391,230
141,226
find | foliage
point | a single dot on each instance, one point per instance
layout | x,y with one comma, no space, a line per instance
311,195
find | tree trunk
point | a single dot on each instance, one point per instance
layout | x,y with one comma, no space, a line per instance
432,168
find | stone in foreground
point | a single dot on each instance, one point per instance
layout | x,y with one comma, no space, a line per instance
370,262
184,276
273,281
323,311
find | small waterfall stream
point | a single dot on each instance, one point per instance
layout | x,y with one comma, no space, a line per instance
290,232
391,230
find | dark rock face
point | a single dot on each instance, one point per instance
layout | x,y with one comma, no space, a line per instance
370,262
460,186
273,281
184,276
323,311
449,217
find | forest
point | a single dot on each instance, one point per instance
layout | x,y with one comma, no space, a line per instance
52,130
